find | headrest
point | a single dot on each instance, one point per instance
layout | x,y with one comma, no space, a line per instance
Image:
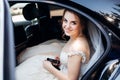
30,12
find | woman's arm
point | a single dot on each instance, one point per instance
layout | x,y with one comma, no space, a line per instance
54,71
74,63
74,66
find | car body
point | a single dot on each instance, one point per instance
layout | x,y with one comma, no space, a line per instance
20,30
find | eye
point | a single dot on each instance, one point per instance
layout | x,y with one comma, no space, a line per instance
65,20
73,22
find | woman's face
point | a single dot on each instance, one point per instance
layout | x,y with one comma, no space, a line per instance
71,24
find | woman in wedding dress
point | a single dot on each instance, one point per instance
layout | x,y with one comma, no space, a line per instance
74,56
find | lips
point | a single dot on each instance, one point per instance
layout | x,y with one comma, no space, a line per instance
67,31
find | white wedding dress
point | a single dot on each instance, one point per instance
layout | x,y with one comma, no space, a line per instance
32,67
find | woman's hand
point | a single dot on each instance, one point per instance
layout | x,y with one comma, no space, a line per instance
57,58
47,65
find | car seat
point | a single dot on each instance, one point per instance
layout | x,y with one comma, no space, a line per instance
30,13
38,31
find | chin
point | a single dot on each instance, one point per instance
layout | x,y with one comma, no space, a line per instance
67,34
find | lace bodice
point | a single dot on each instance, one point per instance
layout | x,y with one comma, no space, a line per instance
64,60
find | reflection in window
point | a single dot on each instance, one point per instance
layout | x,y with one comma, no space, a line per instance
113,17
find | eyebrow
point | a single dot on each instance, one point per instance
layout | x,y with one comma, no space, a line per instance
75,21
71,21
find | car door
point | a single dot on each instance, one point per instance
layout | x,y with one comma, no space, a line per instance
8,45
1,39
82,10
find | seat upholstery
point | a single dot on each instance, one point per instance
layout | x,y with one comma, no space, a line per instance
42,30
30,12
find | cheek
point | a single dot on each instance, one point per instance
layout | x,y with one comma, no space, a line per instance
63,25
75,27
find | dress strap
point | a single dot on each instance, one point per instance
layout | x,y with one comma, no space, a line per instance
81,53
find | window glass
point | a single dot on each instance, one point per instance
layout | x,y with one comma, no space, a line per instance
16,12
56,11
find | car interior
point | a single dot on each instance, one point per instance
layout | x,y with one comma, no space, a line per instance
41,28
42,25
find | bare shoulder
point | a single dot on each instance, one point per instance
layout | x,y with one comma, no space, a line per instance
82,44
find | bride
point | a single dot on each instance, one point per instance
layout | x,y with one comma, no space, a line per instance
74,55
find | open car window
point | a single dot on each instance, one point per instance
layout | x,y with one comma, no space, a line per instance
39,23
17,13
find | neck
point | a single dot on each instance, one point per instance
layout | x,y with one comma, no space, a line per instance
72,38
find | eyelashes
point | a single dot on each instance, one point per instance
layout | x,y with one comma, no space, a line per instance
72,22
65,20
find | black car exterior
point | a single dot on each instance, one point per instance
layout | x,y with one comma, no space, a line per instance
105,14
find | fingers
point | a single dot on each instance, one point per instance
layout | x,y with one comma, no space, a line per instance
57,58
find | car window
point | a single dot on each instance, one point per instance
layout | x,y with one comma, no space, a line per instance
32,28
23,23
17,15
31,31
56,11
16,12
